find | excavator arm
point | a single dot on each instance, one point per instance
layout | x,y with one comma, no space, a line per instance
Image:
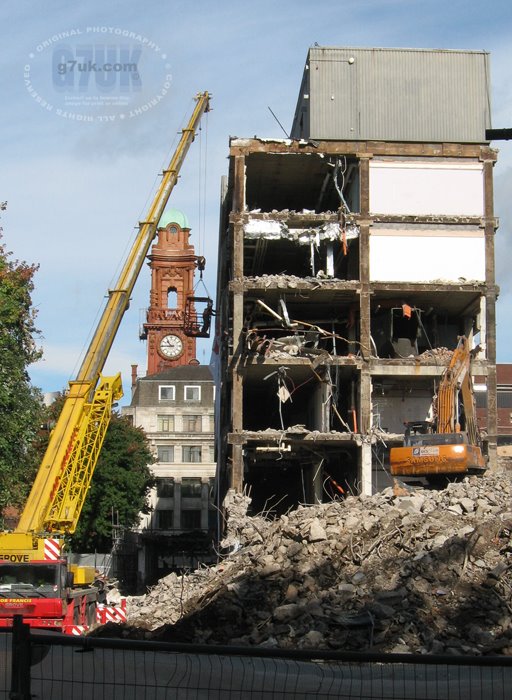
447,404
61,484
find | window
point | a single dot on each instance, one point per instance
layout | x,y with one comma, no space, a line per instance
192,424
212,423
504,399
164,519
191,488
165,424
165,488
192,393
191,453
166,393
165,453
172,298
481,399
212,520
190,519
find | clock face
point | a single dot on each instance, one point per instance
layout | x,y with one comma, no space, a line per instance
171,346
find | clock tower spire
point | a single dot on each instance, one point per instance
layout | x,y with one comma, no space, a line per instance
172,262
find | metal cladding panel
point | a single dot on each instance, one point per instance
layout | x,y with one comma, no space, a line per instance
394,95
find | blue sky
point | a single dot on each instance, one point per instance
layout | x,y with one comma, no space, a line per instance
76,190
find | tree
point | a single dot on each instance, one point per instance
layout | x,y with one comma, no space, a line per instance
120,485
20,403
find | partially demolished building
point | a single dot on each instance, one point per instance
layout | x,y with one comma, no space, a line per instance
351,257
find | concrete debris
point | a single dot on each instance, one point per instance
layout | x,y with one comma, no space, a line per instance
279,230
441,354
426,572
293,282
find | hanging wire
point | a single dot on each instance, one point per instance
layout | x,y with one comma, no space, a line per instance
340,169
203,233
202,183
200,190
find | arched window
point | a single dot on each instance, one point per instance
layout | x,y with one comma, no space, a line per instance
172,298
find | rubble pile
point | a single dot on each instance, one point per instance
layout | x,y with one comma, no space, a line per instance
285,281
440,354
401,571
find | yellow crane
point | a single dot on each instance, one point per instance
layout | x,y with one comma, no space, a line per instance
58,493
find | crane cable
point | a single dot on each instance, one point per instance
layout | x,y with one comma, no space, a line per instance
202,177
202,172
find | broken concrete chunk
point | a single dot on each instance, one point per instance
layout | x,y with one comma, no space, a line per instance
313,639
292,592
316,531
283,613
455,508
468,505
409,504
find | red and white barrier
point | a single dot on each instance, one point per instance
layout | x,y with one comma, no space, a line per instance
111,613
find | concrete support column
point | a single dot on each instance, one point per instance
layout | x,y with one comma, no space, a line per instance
490,313
237,468
492,403
141,567
365,383
365,401
492,417
205,487
317,479
239,188
364,475
177,505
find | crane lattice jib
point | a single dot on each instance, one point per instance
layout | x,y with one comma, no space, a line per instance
59,489
66,502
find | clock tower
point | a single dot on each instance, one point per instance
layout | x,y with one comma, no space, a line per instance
172,262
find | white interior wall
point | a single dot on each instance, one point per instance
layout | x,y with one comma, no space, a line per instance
426,256
422,188
391,412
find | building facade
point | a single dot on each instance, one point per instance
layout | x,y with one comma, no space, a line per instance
174,405
503,404
355,255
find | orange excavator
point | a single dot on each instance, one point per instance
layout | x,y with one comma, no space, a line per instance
449,444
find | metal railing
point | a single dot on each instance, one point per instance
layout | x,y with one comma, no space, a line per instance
59,667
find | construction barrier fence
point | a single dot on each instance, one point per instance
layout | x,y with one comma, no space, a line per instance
58,667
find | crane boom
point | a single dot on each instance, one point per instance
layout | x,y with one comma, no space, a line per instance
59,489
